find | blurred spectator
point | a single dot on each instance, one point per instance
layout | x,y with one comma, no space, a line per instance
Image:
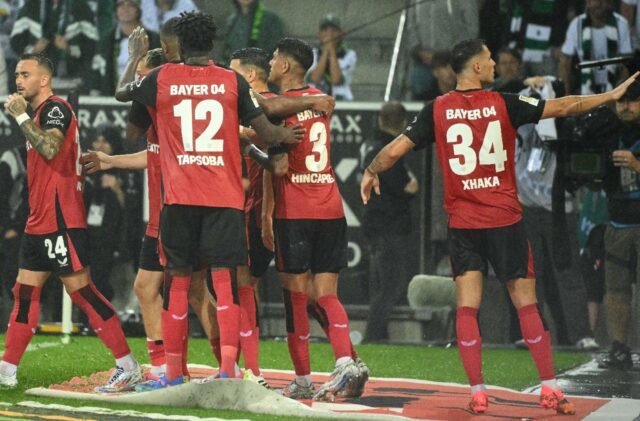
445,78
597,34
8,13
550,223
252,25
629,9
509,70
622,234
62,30
4,75
104,201
591,227
493,21
14,210
421,73
333,63
387,224
113,53
538,29
157,12
104,12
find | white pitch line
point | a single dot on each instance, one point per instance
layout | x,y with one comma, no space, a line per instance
111,412
38,346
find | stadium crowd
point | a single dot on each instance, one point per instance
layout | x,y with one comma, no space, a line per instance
211,234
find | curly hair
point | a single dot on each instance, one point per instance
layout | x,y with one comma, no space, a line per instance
155,58
196,32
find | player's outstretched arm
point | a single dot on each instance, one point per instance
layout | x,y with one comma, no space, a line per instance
385,159
575,104
273,135
95,161
282,106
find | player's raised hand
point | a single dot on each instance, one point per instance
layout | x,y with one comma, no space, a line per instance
94,161
15,105
138,42
369,181
627,84
324,104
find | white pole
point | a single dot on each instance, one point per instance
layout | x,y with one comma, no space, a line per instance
396,52
67,325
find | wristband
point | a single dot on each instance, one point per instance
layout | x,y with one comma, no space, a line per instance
278,149
22,118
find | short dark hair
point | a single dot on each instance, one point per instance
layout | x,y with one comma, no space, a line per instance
512,52
393,115
40,58
168,29
463,51
253,56
441,58
196,32
155,58
297,49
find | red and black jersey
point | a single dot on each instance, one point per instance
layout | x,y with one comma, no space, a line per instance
55,186
144,118
197,118
309,189
475,137
254,174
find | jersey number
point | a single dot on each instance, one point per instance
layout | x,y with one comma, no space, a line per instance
492,151
60,248
208,109
317,161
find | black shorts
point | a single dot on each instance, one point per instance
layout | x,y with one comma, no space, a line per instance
149,258
506,248
61,253
192,236
319,245
259,255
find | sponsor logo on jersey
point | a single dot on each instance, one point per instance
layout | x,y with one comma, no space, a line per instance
312,178
480,183
153,147
529,100
55,113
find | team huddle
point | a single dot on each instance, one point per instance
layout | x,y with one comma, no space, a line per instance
204,243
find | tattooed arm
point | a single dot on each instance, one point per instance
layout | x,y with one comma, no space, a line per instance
46,141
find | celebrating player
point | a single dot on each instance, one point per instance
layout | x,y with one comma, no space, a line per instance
55,238
310,231
474,132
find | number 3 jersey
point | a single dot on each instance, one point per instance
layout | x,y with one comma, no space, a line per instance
309,189
475,137
198,112
55,186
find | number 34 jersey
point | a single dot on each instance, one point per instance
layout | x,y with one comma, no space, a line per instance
475,137
309,189
198,112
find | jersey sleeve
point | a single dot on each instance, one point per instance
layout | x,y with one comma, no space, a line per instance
523,109
421,131
139,116
248,107
145,90
55,115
